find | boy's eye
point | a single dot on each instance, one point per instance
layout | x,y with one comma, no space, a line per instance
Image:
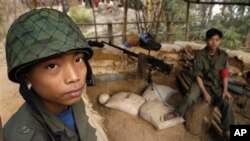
52,66
79,59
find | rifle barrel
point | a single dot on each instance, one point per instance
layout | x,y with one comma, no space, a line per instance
154,62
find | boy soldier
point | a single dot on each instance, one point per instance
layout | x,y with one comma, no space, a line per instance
211,81
48,56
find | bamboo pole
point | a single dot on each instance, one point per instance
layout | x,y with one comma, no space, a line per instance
149,10
110,33
187,22
158,17
93,10
125,20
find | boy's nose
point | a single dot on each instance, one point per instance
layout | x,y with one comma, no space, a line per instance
71,74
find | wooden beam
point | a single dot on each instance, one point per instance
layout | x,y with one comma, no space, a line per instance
222,3
125,20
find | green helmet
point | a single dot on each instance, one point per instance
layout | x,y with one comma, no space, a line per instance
39,34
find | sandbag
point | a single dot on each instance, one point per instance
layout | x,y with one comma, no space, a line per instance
153,111
126,102
158,93
103,98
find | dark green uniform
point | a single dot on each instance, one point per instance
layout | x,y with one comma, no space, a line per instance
208,68
29,126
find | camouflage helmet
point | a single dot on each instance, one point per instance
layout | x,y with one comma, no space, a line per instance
39,34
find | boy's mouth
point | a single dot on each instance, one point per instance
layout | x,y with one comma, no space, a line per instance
75,92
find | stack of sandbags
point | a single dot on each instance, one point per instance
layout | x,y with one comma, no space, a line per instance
151,106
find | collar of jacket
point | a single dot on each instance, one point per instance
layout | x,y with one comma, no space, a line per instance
205,51
55,124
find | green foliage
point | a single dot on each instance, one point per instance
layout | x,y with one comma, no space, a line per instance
175,9
80,16
231,39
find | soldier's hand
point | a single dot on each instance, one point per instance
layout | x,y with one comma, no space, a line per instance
207,98
227,95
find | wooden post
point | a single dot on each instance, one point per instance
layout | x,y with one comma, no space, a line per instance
125,20
170,26
93,10
110,33
187,22
149,9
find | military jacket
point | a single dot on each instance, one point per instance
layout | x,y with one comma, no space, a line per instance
27,125
208,67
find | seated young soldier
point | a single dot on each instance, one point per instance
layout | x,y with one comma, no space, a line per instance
211,81
48,56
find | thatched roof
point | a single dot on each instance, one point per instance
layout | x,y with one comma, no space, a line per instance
225,2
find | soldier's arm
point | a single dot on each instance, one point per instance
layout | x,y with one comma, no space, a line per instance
198,66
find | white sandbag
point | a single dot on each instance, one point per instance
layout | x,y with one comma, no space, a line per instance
126,102
158,93
103,98
153,111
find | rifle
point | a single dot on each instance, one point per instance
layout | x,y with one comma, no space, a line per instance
153,62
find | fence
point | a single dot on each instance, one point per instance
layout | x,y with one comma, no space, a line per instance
110,30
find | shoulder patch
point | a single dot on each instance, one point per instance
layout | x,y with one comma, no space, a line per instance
26,132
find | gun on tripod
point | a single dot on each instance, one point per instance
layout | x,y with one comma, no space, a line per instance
153,62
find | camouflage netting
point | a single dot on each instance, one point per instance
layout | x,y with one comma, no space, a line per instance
39,34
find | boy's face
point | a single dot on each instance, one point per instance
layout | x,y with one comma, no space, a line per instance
59,81
214,42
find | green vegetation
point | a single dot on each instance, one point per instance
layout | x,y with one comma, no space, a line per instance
80,15
233,20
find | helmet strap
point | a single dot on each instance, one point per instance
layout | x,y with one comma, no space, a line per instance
90,80
24,90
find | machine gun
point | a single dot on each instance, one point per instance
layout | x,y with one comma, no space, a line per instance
154,63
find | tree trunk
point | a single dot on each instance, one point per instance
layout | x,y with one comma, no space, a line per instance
210,12
204,13
223,14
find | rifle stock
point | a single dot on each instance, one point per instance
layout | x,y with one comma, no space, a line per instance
152,61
